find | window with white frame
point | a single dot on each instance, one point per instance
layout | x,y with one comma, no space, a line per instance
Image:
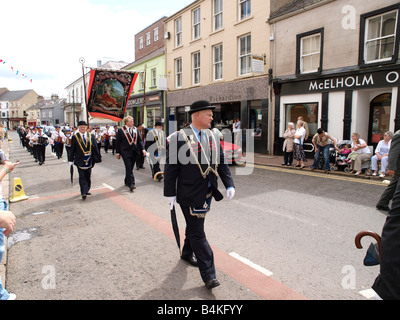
244,9
148,39
196,67
217,62
178,73
310,53
141,43
245,55
196,23
178,32
155,34
380,37
50,114
141,81
217,14
154,77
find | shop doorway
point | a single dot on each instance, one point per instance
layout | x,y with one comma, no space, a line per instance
379,120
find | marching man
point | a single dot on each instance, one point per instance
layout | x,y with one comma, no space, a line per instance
84,154
194,161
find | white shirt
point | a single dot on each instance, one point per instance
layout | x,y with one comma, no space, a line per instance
365,150
300,131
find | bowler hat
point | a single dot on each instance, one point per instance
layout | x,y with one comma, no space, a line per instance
200,105
82,123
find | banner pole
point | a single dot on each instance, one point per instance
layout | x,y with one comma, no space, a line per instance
82,61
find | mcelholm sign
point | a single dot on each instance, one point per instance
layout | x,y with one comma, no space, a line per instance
358,81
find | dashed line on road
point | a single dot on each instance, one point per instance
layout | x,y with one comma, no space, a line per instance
251,264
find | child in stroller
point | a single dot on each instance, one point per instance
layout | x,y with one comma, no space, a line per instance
342,160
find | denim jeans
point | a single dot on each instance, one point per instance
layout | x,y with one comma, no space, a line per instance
4,295
325,152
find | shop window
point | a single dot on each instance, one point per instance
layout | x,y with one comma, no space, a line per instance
380,117
309,112
256,118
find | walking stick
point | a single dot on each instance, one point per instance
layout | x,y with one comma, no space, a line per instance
362,234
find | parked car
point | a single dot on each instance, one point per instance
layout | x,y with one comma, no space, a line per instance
232,151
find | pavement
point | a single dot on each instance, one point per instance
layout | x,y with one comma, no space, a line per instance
276,161
256,159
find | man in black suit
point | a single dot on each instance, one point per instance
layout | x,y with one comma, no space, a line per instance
84,154
194,160
129,146
387,285
393,170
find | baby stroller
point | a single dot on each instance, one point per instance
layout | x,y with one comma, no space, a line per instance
342,161
332,159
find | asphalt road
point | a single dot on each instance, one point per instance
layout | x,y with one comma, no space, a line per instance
293,229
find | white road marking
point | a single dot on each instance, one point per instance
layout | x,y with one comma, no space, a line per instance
109,187
251,264
369,293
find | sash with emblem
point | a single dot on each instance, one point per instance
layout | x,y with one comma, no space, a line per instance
86,147
206,157
131,140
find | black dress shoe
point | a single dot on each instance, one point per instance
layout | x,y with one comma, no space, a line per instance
88,194
131,188
84,197
192,260
212,283
383,208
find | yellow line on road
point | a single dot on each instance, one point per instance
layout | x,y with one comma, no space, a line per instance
319,175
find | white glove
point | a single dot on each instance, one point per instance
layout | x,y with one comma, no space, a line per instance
70,163
230,193
171,201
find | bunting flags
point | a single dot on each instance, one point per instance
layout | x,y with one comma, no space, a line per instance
18,74
109,92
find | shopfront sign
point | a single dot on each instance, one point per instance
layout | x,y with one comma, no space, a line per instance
381,79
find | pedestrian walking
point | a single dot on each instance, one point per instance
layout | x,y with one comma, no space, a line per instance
129,146
194,161
84,154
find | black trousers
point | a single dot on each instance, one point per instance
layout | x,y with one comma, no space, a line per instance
84,180
196,242
129,163
387,284
40,152
59,149
389,191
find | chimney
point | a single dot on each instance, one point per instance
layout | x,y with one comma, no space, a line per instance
54,96
98,63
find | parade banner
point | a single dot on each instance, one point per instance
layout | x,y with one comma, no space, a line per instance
109,91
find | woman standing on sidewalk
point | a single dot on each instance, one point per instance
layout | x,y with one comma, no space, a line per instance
299,135
288,145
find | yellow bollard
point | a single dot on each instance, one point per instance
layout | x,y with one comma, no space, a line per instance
18,193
